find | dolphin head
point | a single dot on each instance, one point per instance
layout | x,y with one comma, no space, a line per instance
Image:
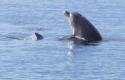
67,13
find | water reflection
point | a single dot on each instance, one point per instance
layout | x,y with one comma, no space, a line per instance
73,43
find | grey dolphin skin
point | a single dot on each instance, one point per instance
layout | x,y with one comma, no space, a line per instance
38,36
82,28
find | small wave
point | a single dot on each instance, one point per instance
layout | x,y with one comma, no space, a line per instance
77,41
14,36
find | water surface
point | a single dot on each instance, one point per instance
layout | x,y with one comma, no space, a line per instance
22,58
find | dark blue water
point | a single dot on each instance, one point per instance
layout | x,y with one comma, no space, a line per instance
22,58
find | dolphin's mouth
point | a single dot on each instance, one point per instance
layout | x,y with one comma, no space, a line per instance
66,13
